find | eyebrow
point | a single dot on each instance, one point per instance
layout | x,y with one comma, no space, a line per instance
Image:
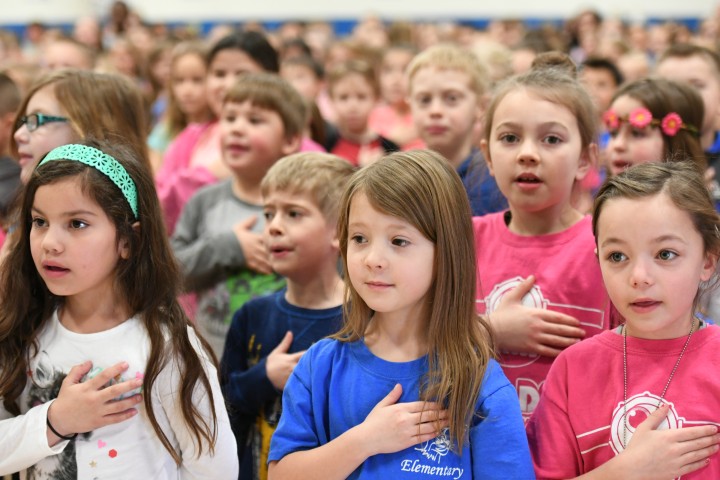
660,239
550,124
72,213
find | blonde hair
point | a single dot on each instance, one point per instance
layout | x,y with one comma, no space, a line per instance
271,92
422,188
322,176
451,57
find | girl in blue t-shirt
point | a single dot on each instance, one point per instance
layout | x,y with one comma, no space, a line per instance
408,388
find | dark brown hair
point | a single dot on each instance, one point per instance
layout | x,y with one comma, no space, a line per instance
148,280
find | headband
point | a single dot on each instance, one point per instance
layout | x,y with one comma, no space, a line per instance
641,117
102,162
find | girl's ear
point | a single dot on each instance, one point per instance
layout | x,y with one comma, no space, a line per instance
124,247
486,153
588,159
709,267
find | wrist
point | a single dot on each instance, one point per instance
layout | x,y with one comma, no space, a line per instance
55,427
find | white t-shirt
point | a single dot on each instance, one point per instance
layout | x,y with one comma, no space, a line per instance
130,449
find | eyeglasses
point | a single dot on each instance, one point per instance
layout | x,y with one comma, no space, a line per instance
36,120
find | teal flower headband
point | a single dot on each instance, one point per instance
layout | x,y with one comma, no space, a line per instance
102,162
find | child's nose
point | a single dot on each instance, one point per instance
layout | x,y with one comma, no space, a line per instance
640,275
375,257
528,153
51,241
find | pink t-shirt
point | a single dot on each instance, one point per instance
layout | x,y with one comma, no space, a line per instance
578,424
567,277
178,179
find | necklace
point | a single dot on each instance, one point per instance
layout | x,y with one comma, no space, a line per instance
625,382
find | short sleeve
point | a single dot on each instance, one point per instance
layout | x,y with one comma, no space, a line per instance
297,429
498,442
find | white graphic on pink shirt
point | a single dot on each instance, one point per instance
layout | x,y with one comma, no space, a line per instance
588,317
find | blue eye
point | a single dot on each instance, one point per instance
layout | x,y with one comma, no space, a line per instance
616,257
666,255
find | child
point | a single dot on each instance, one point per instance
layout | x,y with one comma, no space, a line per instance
538,279
92,277
194,158
699,66
653,119
408,386
601,78
187,99
392,118
56,111
269,334
223,258
353,91
446,90
308,77
633,399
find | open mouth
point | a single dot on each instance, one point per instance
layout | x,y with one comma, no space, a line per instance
56,269
528,178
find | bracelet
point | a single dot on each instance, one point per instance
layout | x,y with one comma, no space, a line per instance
56,432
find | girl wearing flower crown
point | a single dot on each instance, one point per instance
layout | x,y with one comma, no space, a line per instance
91,326
632,403
653,119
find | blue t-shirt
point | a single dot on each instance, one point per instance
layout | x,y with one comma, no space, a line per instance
481,187
336,385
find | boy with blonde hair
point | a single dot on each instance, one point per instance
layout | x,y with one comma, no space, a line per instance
217,239
268,335
447,93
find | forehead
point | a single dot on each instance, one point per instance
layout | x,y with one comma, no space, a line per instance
625,103
236,60
647,217
44,100
435,76
689,68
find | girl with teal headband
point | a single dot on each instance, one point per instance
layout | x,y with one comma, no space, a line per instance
101,372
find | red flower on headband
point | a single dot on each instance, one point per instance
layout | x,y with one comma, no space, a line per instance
611,120
640,117
671,124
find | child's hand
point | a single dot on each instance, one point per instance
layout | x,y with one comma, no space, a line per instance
669,453
280,364
521,329
82,407
256,254
368,155
391,426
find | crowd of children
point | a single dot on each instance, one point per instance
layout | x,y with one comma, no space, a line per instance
415,252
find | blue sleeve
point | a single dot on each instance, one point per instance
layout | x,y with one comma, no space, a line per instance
297,427
498,442
246,389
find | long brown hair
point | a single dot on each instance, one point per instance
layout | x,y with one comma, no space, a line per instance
421,188
148,280
105,106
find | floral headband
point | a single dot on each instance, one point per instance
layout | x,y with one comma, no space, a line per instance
641,117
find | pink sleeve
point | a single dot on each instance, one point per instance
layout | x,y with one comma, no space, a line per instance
553,444
175,181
